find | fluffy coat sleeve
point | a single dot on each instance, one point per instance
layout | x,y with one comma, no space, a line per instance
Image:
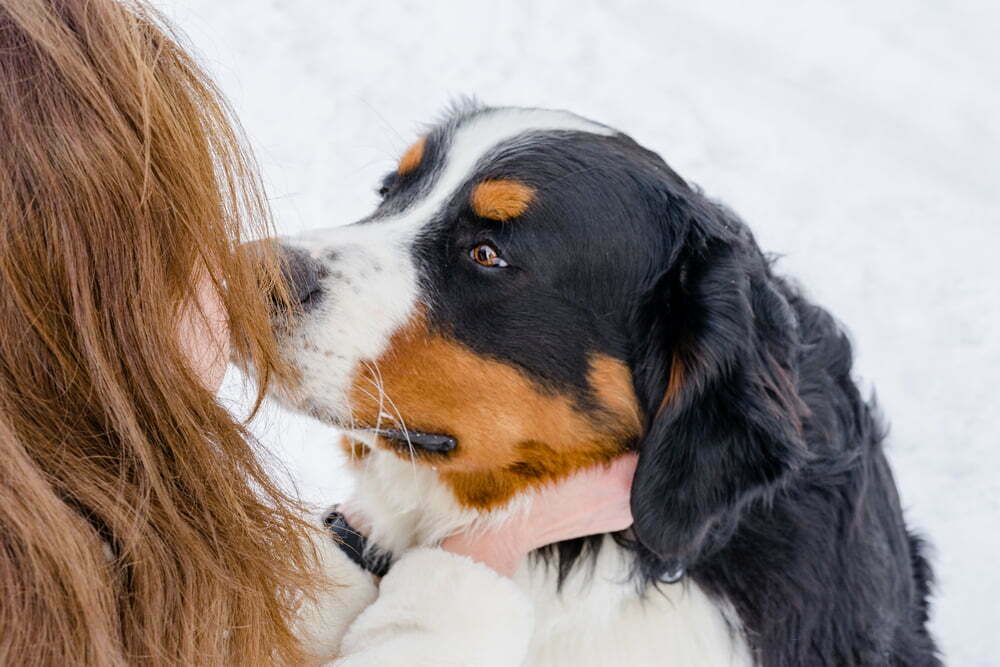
432,608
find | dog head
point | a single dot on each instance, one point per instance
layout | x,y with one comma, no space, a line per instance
537,293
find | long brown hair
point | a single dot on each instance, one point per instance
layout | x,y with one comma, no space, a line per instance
136,522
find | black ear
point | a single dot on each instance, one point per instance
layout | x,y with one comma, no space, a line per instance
719,370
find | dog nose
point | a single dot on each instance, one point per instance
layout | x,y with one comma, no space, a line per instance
303,275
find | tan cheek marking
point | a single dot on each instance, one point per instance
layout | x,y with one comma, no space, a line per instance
675,382
512,434
412,157
501,200
611,382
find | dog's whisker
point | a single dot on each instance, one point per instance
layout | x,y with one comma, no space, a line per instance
375,378
384,396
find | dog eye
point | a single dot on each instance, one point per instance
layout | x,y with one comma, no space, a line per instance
485,254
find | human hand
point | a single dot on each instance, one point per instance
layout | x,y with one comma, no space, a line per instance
592,501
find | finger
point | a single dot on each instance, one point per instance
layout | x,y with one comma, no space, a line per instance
623,468
614,476
604,488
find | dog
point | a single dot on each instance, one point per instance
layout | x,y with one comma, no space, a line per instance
537,293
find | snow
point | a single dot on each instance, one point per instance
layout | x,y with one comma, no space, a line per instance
858,139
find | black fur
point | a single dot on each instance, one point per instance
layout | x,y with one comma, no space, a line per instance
764,475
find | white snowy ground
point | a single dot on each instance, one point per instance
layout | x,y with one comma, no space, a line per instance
859,139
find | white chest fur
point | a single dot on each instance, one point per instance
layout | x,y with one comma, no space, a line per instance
598,618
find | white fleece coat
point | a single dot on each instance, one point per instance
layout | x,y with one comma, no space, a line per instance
432,608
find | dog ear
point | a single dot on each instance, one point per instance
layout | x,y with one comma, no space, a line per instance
725,415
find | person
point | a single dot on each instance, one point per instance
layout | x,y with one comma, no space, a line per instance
137,522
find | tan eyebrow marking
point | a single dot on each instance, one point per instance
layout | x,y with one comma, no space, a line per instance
502,199
412,157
